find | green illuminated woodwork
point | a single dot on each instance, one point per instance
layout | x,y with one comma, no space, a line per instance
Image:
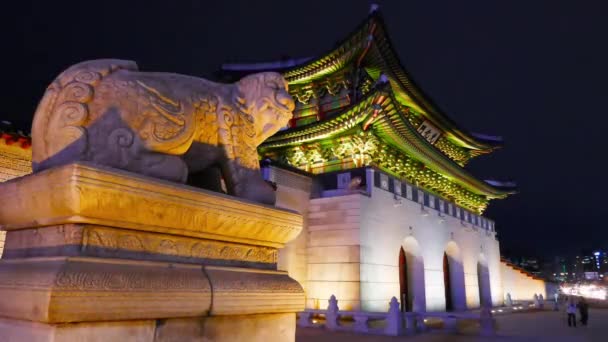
456,153
310,96
379,131
360,149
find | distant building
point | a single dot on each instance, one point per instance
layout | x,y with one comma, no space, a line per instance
591,265
557,269
596,265
530,264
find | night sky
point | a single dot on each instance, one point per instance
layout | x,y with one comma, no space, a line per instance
533,72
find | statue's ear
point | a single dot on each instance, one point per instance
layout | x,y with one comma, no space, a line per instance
245,88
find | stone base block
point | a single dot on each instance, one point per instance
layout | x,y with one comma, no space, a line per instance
250,328
84,193
96,254
133,331
65,290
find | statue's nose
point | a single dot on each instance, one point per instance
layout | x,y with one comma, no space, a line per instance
286,100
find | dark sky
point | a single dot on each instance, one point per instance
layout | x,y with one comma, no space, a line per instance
532,71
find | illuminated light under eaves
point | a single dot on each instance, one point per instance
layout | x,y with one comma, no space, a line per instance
365,149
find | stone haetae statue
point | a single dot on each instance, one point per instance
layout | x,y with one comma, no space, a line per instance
169,126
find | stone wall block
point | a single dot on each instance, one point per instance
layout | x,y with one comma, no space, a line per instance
63,290
246,291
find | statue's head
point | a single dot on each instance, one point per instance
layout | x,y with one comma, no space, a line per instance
264,96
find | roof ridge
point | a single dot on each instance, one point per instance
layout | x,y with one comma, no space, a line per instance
420,94
336,45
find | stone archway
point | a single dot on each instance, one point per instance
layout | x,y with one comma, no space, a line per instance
483,281
447,284
411,276
403,282
453,278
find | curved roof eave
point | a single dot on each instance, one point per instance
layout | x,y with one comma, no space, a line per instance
436,160
306,69
354,113
407,84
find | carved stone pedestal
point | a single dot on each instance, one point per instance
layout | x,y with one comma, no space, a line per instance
98,254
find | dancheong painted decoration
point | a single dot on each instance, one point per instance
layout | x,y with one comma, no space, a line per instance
356,105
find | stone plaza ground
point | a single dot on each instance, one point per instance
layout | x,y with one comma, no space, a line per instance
530,326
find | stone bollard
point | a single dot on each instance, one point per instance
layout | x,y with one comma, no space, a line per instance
304,319
536,302
331,317
509,301
486,322
394,319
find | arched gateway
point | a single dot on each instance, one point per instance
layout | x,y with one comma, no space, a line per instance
411,276
483,281
453,278
406,304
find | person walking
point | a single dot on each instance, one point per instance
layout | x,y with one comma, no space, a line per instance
571,311
583,308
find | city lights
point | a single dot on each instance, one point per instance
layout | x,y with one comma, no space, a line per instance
587,291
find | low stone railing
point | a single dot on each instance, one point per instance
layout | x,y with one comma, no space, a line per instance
537,302
393,323
450,321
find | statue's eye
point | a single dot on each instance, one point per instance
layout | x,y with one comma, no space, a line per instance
274,86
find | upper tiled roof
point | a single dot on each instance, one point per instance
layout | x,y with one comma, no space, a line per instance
370,46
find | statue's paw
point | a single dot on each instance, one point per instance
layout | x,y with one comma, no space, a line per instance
259,192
